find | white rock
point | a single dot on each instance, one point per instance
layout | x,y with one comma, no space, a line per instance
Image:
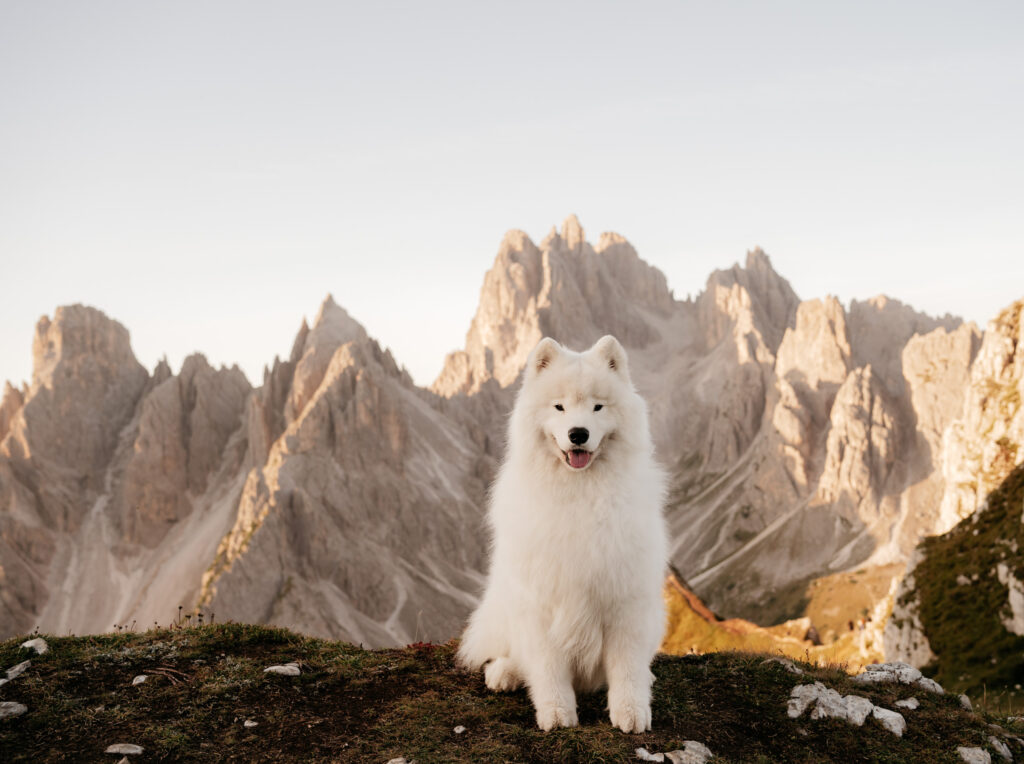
644,755
802,696
791,667
459,730
139,679
1001,748
691,753
974,755
900,672
38,644
401,760
931,685
288,669
128,749
966,703
911,703
250,723
9,709
891,720
1015,623
828,704
17,670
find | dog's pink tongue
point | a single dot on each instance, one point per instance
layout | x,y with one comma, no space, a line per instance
579,459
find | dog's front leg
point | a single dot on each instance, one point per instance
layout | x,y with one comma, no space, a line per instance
627,661
550,681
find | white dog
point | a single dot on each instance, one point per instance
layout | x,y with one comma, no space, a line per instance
573,598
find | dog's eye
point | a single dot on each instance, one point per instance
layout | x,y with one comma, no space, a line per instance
559,407
598,407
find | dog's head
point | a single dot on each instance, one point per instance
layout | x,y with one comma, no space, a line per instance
577,403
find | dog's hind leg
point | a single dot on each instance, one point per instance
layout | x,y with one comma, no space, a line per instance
501,675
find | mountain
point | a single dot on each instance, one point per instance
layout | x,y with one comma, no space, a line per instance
803,440
337,497
960,609
802,437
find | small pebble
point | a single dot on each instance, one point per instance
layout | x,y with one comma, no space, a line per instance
288,669
250,723
9,709
966,703
459,730
128,749
139,679
911,703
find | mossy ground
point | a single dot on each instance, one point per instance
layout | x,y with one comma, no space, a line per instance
354,705
963,621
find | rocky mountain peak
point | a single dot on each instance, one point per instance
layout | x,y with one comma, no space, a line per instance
986,442
752,299
10,404
572,234
85,382
332,328
563,289
78,336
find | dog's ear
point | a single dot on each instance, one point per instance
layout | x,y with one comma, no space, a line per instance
611,353
543,355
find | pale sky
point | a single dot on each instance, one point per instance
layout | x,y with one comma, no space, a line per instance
206,172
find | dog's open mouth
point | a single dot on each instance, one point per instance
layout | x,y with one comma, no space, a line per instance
577,458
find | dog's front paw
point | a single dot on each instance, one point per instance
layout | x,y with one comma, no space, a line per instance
631,717
500,676
551,715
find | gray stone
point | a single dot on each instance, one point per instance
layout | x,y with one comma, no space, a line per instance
787,664
974,755
139,679
891,720
126,749
911,703
930,685
965,703
1001,748
17,670
10,709
692,752
896,671
288,669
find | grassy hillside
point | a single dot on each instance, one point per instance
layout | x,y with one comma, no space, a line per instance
963,601
354,705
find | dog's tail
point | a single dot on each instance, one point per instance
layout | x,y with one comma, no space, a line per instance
485,638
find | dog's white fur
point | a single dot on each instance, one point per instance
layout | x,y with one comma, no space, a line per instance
573,598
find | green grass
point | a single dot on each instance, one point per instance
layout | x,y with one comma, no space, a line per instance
353,705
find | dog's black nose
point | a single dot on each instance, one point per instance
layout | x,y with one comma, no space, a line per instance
578,435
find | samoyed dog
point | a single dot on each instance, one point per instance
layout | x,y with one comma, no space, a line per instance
573,598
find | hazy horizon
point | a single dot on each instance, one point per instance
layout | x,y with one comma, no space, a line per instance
206,174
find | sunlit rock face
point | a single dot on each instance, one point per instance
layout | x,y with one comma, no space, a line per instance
340,499
977,450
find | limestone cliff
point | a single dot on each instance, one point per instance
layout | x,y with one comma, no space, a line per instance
979,452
